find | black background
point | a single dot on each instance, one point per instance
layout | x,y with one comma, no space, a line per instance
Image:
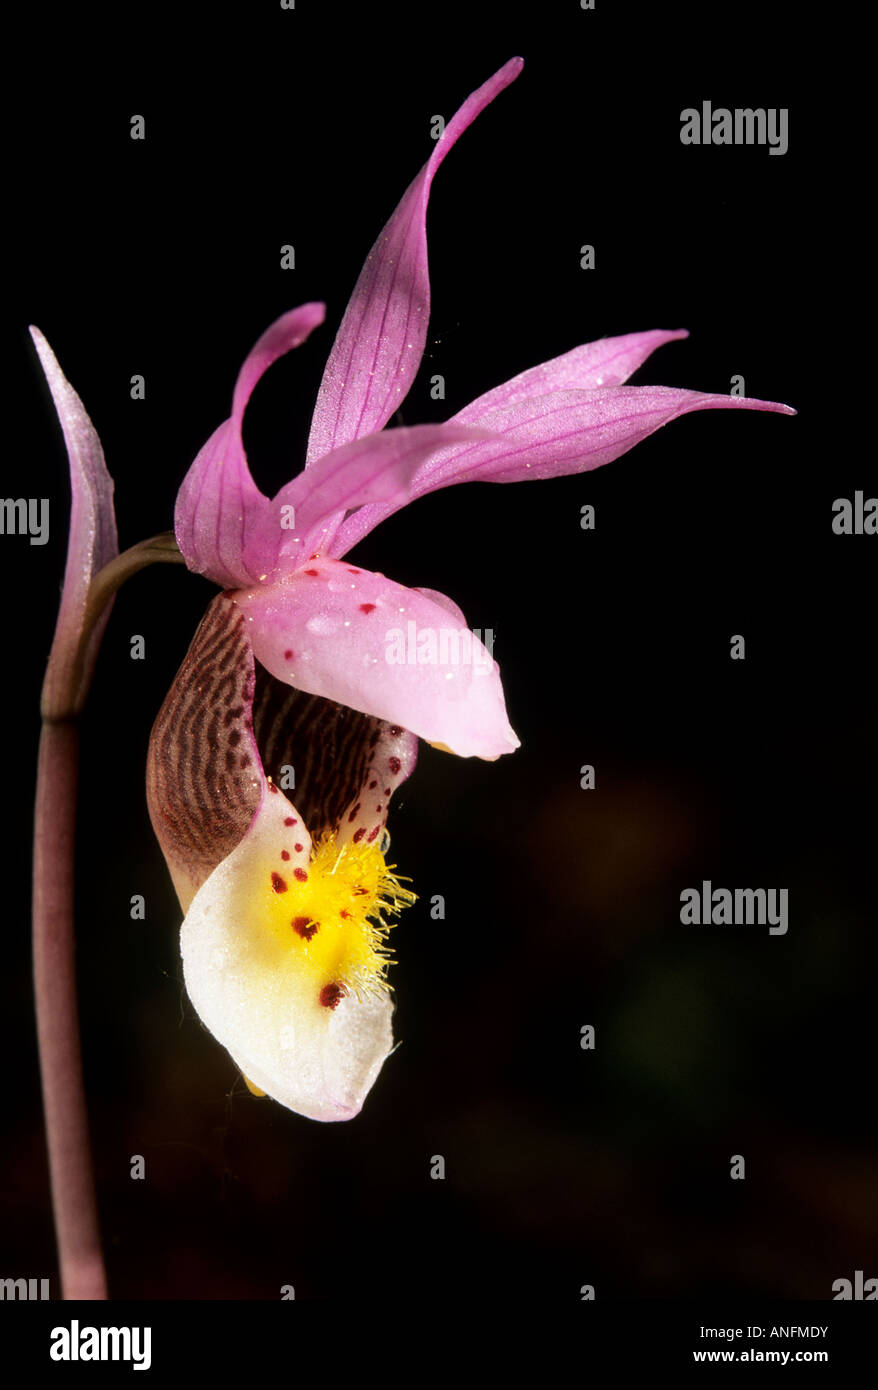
161,257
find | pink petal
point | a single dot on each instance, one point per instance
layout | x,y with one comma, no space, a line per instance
220,513
550,436
607,362
92,540
360,639
571,432
380,343
378,468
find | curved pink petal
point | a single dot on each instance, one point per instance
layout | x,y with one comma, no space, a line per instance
380,343
377,468
92,540
571,432
287,332
607,362
360,639
219,519
550,436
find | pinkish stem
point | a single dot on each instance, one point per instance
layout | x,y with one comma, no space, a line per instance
70,1165
64,693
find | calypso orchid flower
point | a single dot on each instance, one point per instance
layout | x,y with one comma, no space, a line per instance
287,686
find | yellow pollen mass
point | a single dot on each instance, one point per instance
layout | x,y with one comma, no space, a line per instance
337,921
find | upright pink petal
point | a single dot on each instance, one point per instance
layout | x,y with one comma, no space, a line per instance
355,637
92,541
381,339
220,512
549,436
